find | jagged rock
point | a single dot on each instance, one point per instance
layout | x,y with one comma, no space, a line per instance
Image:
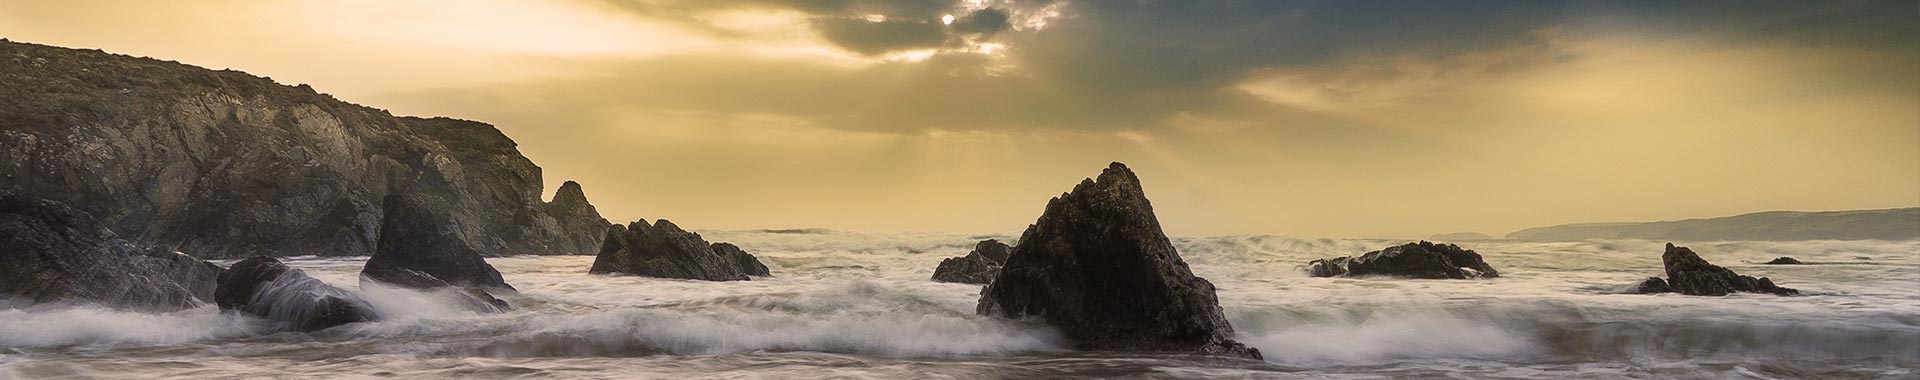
1416,260
578,224
264,287
1097,267
1783,260
223,164
1691,275
54,253
664,250
977,267
1652,285
741,260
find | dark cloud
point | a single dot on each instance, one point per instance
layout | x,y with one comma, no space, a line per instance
877,37
984,22
1133,64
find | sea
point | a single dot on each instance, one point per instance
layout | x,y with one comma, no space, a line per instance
845,305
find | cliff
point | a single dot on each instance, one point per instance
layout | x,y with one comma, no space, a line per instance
1889,224
223,164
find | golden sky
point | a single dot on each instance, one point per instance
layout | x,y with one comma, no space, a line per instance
1303,118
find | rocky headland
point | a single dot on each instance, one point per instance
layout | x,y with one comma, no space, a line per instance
223,164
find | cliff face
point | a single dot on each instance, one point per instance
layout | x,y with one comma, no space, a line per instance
222,164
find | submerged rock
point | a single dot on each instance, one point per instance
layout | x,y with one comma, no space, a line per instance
1416,260
1097,267
54,253
417,241
264,287
1783,260
664,250
977,267
1689,274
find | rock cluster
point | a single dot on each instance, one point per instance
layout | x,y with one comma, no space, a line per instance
1689,274
222,164
1783,260
1416,260
977,267
264,287
1097,267
53,253
664,250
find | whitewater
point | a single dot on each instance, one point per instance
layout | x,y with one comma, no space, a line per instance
860,305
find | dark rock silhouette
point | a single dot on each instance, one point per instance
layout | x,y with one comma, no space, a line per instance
222,164
1651,285
264,287
977,267
740,259
1783,260
421,248
1097,266
1689,274
664,250
416,236
1416,260
54,253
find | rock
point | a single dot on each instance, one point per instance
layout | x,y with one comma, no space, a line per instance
264,287
977,267
415,239
222,164
1097,267
666,251
1652,285
1416,260
54,253
474,298
1691,275
579,225
1783,260
741,260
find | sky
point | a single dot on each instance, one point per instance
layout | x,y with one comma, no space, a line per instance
1392,119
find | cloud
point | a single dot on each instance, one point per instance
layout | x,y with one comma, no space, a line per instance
877,37
984,22
1126,65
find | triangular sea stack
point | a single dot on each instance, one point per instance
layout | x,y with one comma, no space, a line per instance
1097,267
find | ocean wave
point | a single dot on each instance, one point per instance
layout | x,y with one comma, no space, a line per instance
105,328
856,318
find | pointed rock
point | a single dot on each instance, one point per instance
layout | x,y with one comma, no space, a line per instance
579,225
977,267
664,250
1097,267
1416,260
420,248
